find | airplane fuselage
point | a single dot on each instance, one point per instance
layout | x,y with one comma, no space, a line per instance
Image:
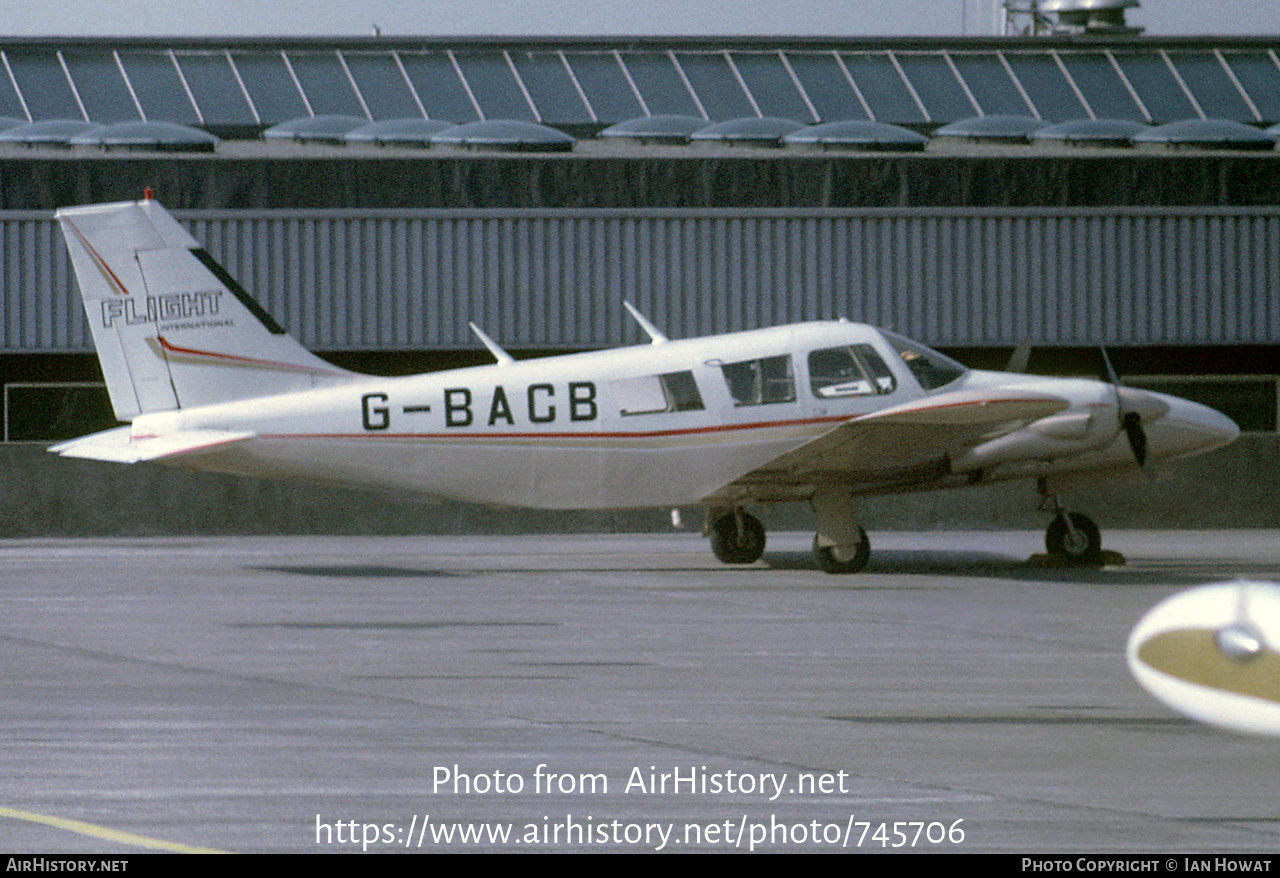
602,430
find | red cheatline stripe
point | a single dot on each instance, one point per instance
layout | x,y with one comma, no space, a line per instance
248,361
102,263
652,434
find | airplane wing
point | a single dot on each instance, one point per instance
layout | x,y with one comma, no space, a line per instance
904,445
119,445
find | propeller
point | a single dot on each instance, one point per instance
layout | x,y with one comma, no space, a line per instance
1130,420
1132,424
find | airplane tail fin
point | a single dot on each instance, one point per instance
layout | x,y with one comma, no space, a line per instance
173,330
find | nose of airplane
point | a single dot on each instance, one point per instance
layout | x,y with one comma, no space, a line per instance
1188,428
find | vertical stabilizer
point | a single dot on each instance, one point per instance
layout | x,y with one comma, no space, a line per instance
173,330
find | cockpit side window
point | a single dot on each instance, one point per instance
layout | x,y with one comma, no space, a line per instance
653,394
761,382
849,370
930,368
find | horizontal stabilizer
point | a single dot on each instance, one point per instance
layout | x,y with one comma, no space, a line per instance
120,446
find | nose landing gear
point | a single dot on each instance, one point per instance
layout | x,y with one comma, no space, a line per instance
1072,537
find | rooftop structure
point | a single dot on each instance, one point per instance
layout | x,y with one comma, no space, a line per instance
247,85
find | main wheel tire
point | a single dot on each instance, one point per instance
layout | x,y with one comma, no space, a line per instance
733,547
1084,546
828,561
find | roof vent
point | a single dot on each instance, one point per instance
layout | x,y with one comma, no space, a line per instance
749,131
1206,134
858,134
506,134
1033,18
319,129
414,131
165,136
995,128
48,132
663,128
1091,132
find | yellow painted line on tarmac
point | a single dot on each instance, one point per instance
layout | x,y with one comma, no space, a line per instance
101,832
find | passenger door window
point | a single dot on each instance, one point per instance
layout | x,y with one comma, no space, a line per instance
760,382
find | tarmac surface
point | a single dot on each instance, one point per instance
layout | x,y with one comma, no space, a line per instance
324,694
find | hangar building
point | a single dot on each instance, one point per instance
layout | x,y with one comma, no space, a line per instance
1070,190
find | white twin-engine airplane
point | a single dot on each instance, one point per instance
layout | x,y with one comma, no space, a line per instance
816,412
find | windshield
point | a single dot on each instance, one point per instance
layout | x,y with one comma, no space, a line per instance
930,368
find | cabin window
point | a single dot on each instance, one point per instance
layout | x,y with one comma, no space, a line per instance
760,382
654,394
849,370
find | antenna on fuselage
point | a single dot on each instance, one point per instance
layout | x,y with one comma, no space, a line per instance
499,354
649,328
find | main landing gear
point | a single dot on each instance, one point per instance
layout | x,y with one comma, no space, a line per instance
737,538
839,546
842,559
1071,537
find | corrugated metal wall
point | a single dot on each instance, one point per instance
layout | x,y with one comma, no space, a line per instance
557,278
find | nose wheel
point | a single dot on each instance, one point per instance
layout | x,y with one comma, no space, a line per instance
1074,538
